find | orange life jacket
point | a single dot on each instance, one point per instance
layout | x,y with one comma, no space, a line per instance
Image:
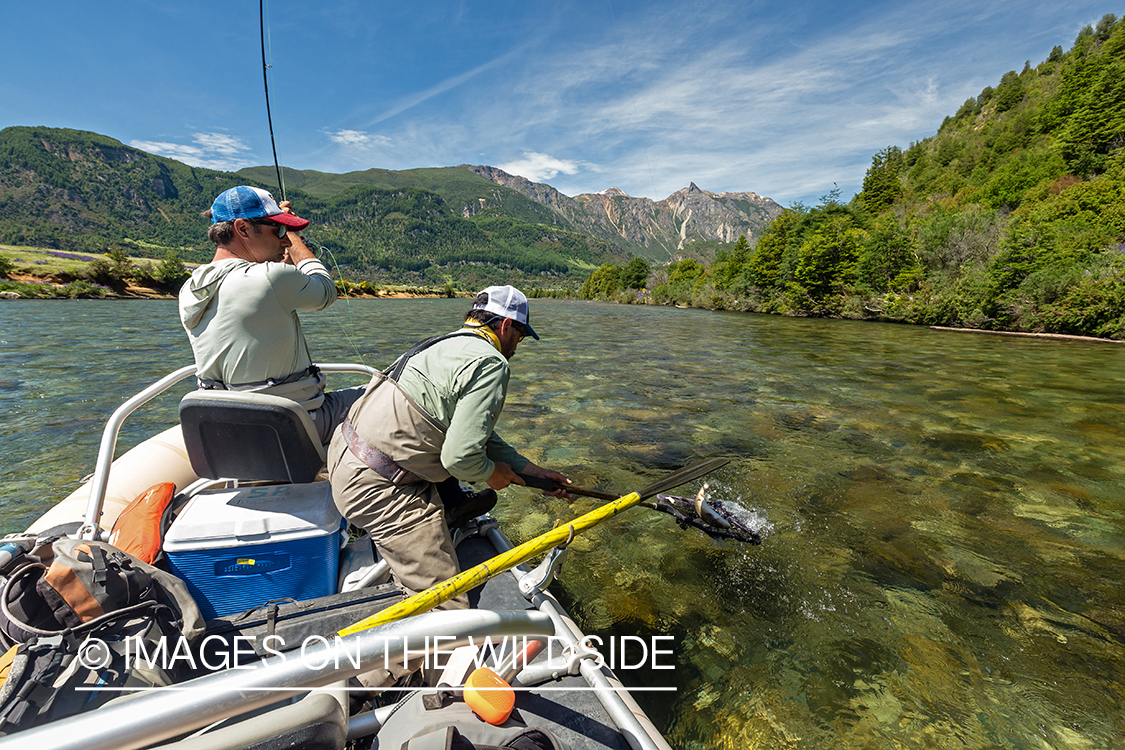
137,529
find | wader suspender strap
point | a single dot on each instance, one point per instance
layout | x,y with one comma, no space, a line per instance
394,372
369,455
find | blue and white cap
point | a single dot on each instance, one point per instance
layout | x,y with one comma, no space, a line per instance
244,202
507,302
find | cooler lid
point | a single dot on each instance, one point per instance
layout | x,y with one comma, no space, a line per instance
254,515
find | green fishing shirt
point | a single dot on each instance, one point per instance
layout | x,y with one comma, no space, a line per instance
462,382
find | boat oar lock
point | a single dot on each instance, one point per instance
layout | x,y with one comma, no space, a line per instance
475,576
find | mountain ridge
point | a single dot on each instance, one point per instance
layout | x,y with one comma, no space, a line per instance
78,190
655,230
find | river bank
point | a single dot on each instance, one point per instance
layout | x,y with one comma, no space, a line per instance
663,299
1025,334
133,292
40,273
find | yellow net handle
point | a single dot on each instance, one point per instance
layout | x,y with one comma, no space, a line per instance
467,580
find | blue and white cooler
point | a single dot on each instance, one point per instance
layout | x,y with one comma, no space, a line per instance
240,548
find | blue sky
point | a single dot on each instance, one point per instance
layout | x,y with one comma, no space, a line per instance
782,99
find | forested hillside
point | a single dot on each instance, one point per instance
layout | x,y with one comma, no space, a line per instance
1011,217
464,191
409,234
690,223
75,190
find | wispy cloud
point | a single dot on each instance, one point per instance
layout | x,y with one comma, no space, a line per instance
736,96
448,84
211,151
783,101
358,139
732,111
715,102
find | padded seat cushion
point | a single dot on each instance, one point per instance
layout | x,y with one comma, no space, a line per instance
252,437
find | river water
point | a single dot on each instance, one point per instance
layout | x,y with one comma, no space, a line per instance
944,525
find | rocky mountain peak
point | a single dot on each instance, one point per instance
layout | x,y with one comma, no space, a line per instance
657,230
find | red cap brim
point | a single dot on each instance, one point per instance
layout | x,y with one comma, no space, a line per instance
289,220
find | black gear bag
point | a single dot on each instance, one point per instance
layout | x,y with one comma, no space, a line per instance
76,615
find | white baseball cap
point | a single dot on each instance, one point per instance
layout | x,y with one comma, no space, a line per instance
507,302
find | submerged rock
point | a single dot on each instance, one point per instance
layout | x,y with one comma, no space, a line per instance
992,484
806,421
964,442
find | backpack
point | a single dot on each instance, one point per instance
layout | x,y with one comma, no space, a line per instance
76,611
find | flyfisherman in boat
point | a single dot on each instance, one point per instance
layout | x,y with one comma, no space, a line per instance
240,310
431,417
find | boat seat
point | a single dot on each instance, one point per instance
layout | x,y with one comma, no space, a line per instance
250,437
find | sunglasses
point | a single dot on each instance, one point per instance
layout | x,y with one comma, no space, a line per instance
281,229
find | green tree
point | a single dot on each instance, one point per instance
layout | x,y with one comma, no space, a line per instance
1020,172
887,260
170,271
1104,29
826,261
121,266
881,185
603,282
763,270
113,269
734,265
685,273
1010,91
635,273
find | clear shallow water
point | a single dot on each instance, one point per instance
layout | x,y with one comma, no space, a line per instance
947,548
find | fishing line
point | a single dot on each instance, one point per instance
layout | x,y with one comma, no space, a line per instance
266,85
318,248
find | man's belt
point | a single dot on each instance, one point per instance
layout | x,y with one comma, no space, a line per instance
218,385
375,459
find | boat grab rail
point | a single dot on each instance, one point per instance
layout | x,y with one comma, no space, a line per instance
99,482
158,714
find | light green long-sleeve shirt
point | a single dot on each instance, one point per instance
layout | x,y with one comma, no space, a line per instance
462,382
241,318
